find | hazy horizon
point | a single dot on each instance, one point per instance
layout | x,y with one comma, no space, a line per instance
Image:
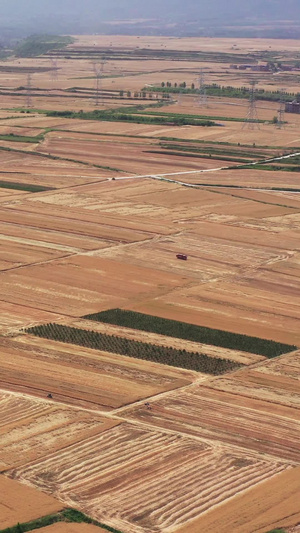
91,15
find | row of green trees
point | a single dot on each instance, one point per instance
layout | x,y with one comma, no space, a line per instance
118,116
225,91
140,350
191,332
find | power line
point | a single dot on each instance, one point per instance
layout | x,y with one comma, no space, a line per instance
98,68
251,121
54,72
281,110
202,89
29,91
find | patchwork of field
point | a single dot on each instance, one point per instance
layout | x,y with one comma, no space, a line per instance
28,168
130,157
81,284
19,503
219,416
162,476
138,445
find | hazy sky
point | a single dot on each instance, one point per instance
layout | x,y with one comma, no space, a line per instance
24,12
132,8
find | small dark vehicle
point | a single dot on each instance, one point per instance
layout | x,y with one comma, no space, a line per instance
183,257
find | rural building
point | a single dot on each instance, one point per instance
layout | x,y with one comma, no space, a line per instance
292,107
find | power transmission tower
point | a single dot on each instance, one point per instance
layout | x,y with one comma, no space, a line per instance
54,72
251,121
179,99
29,91
98,71
202,89
281,111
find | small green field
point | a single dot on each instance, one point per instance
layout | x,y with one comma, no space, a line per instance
37,45
191,332
24,186
21,138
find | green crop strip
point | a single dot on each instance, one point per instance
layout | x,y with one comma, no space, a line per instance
198,362
21,138
191,332
24,186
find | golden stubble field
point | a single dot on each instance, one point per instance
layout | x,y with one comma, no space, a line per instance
212,453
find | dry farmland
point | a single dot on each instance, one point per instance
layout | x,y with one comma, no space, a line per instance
19,503
99,193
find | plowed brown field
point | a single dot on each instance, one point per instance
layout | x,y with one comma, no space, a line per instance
19,503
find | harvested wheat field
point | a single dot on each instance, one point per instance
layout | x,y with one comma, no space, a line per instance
19,503
274,503
276,381
14,317
223,417
81,376
32,428
82,284
152,494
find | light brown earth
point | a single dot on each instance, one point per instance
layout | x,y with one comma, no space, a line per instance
19,503
62,527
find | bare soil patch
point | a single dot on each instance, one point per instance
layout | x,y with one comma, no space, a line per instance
19,503
62,527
